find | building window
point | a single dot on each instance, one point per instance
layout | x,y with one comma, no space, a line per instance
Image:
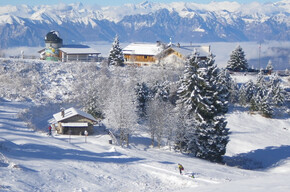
145,56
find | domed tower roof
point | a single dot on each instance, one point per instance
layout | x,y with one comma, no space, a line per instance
53,37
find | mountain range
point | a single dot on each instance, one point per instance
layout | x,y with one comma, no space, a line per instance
25,25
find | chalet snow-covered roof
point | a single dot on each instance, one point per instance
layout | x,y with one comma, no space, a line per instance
143,49
189,49
68,113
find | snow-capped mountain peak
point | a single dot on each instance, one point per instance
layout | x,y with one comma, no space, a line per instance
149,21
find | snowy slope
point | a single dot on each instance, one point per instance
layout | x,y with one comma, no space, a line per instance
32,161
257,157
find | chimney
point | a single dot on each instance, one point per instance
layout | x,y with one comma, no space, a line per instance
62,112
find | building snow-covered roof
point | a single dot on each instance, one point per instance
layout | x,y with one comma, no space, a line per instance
187,50
143,49
74,124
78,49
68,113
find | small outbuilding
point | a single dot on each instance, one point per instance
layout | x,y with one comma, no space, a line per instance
74,121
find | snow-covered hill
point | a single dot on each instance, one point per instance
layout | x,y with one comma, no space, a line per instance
257,157
184,22
32,161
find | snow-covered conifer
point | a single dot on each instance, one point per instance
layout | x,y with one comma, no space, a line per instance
265,107
186,119
261,100
250,89
234,92
161,90
143,95
260,79
254,104
277,93
247,92
223,86
242,96
237,61
116,56
205,99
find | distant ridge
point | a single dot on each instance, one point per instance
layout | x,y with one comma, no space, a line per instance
146,22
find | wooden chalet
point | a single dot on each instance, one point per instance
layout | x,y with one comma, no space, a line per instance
142,54
73,121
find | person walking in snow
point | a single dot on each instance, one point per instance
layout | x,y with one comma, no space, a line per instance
49,130
180,167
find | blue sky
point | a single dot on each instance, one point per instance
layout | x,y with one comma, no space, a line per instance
113,2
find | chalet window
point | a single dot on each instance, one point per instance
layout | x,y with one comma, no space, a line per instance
145,56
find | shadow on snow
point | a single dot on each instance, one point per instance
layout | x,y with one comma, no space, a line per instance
48,152
259,159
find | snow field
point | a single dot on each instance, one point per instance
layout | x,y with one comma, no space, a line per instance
33,161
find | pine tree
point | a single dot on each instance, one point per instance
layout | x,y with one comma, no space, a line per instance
247,92
205,99
253,104
276,92
116,56
212,136
237,60
186,122
243,96
143,95
161,90
188,85
224,81
265,107
260,79
250,89
262,98
233,92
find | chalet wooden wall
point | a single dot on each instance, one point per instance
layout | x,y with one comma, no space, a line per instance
140,58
